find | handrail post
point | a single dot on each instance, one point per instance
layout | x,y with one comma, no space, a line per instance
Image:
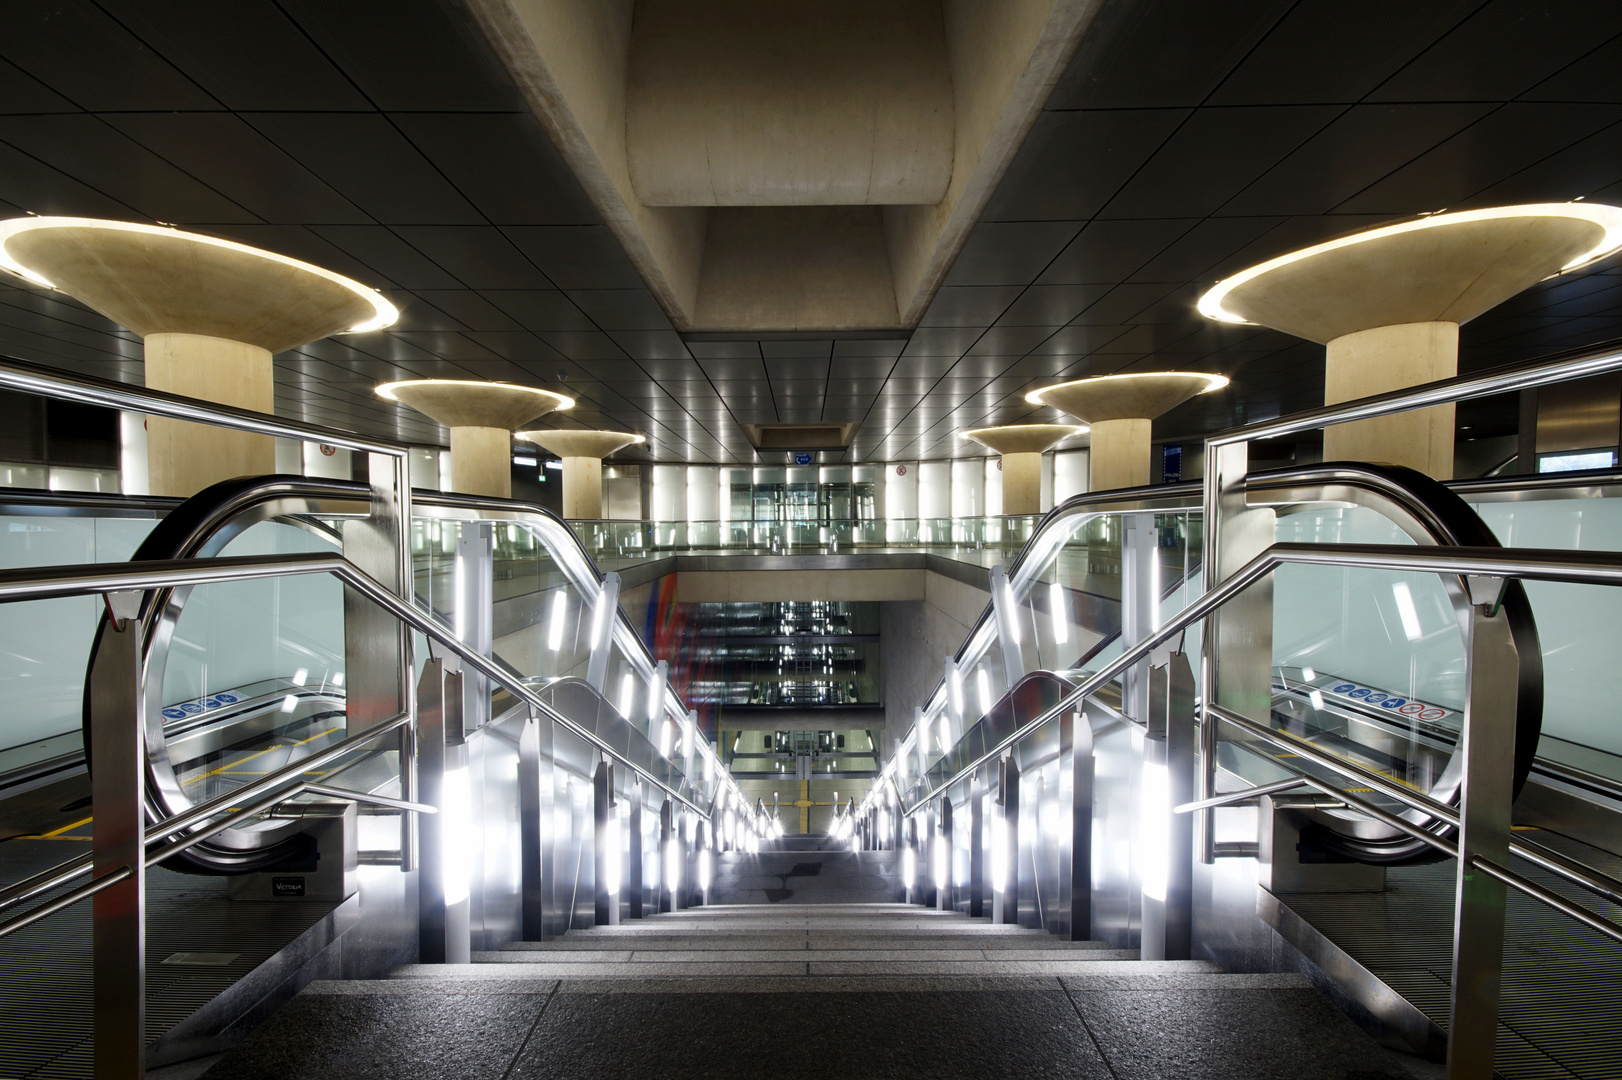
980,840
1005,820
1167,839
117,754
535,787
1076,736
442,880
605,846
633,861
1487,747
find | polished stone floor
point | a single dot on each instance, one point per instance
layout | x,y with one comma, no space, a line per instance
815,991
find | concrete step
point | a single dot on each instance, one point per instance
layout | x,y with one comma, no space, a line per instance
803,942
683,969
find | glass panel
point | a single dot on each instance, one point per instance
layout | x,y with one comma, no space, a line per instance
1368,664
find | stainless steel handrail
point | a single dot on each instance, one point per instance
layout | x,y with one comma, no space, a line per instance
1538,564
53,581
1602,886
1542,565
50,382
1441,392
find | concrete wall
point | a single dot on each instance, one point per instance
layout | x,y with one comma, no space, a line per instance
918,636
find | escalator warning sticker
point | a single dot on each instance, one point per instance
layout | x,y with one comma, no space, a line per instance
1417,710
199,707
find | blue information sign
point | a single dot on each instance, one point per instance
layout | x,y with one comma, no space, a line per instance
802,459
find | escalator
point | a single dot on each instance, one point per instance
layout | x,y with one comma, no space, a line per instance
246,679
1368,671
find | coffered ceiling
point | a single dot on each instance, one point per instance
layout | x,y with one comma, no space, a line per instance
1183,142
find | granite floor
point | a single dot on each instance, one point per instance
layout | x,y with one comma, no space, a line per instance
829,991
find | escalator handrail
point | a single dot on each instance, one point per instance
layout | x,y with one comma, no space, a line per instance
516,510
1515,563
56,581
1581,568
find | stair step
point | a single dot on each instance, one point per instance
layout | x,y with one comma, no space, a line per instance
666,969
574,942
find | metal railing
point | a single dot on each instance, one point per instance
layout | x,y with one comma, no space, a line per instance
123,847
1481,822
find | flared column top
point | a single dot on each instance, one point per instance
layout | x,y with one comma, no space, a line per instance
1134,396
1023,438
1441,268
156,280
580,443
457,403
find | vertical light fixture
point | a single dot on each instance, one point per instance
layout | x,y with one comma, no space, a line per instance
554,629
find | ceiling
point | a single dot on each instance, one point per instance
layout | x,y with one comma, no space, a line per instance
1184,142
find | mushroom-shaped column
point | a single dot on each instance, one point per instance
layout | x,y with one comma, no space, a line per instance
482,417
1021,447
582,453
1121,410
1387,304
210,312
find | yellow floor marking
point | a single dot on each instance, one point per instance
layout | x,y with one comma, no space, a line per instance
66,828
250,757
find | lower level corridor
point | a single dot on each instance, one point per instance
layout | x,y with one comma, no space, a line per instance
797,988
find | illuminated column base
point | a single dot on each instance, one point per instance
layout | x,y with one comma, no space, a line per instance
1379,361
481,461
1119,457
184,458
582,488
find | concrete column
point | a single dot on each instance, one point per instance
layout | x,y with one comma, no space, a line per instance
582,488
1387,305
1022,447
1121,409
1022,483
582,453
481,461
1380,360
211,313
184,458
1119,456
481,417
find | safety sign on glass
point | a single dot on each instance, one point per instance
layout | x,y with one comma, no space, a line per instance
200,706
1416,710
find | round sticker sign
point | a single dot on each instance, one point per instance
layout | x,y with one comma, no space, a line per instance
901,470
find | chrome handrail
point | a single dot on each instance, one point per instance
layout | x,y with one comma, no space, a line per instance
1441,392
48,582
1538,564
1498,563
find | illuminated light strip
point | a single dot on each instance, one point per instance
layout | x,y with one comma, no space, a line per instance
386,313
387,390
1212,382
1607,217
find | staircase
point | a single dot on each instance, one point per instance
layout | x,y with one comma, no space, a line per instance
815,991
